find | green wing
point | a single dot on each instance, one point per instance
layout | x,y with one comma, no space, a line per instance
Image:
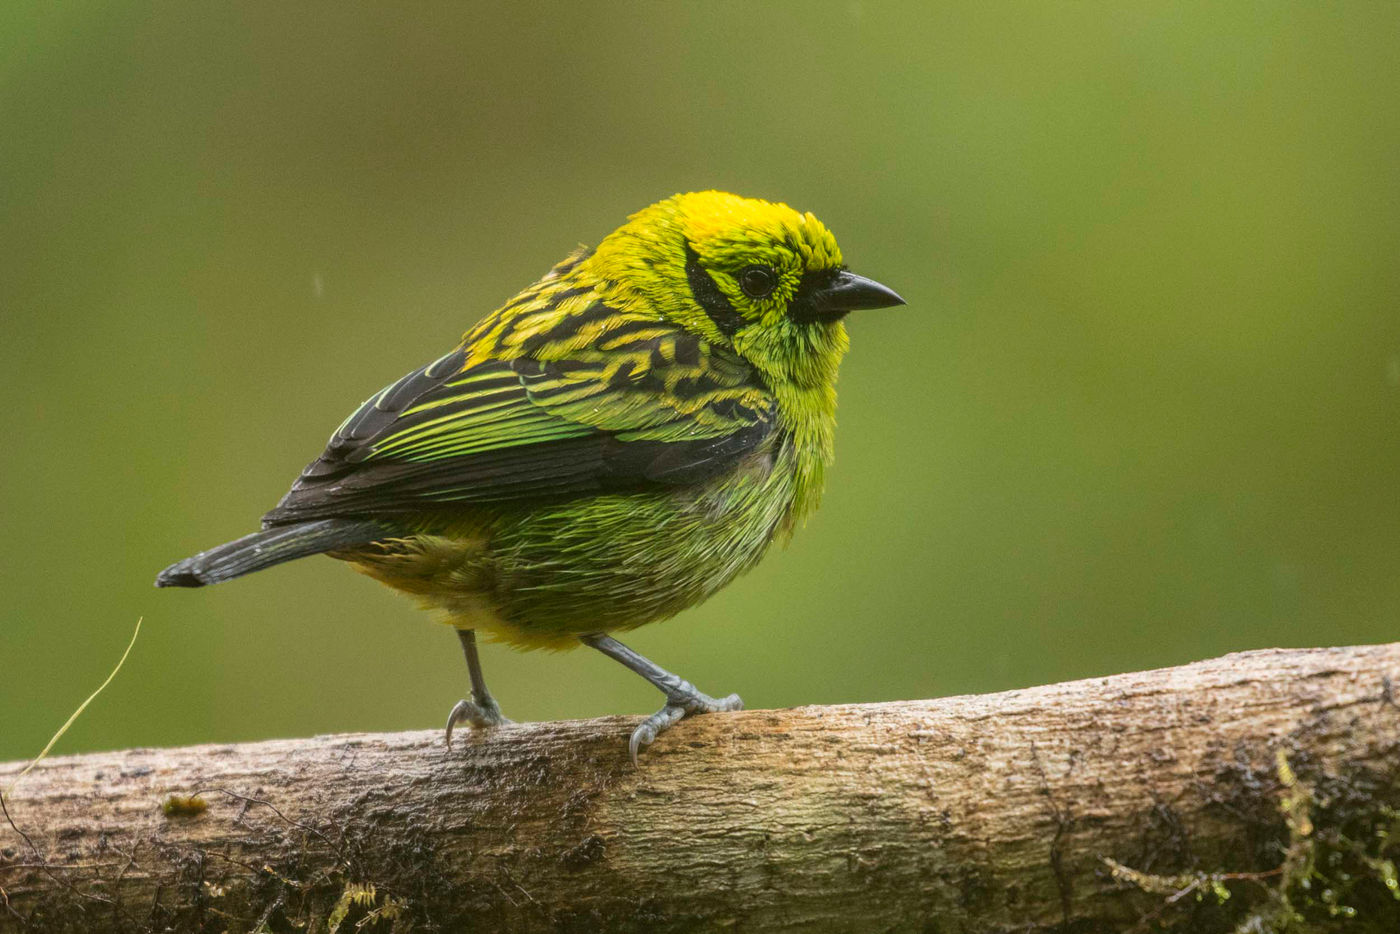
645,404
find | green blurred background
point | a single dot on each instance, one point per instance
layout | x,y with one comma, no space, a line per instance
1143,406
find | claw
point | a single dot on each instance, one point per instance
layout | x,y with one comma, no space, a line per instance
678,707
480,716
645,734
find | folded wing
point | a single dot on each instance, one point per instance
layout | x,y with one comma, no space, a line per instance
644,404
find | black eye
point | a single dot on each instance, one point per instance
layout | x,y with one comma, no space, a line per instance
758,281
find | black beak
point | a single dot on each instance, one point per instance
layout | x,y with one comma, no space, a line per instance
831,297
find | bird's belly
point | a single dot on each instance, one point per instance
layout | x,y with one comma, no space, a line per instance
616,562
541,576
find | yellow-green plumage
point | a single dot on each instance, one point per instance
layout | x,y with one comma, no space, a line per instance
611,446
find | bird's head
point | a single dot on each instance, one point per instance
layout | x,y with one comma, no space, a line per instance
754,276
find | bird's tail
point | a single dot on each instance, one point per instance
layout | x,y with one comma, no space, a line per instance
268,547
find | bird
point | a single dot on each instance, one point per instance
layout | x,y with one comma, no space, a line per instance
611,446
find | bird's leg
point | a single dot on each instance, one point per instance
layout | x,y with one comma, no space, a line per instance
482,710
682,698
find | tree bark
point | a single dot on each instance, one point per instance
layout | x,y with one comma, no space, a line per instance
1254,792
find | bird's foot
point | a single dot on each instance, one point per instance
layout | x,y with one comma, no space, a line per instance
480,715
680,703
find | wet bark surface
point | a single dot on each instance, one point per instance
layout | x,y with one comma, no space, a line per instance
1231,792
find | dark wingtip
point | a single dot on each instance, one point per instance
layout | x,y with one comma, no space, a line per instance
179,575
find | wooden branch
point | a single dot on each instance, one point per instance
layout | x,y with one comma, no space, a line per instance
1135,802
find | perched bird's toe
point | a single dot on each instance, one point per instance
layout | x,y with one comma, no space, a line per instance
478,716
732,702
646,732
677,709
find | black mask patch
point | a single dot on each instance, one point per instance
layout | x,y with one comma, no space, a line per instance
803,307
709,297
